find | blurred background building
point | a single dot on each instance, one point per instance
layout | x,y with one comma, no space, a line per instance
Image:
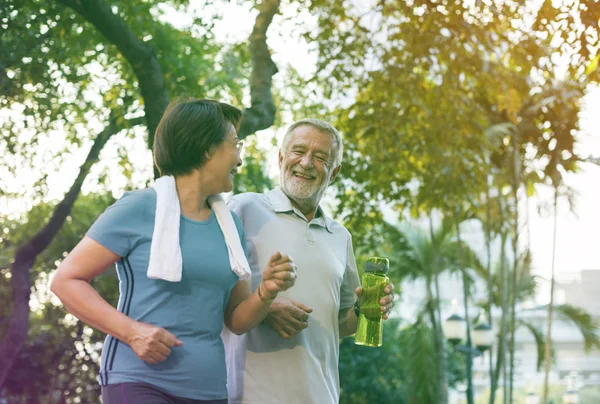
573,368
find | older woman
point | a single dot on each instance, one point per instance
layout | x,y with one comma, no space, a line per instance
163,343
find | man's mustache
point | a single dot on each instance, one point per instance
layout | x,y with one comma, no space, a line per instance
312,173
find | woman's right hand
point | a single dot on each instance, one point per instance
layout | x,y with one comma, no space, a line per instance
279,275
151,343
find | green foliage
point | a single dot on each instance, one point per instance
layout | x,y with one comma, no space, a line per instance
426,82
526,283
300,98
61,356
431,97
57,361
417,254
401,371
65,76
253,176
373,374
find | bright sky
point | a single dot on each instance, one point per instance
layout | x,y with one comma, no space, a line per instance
578,232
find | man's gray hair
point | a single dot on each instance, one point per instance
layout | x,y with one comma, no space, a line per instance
324,127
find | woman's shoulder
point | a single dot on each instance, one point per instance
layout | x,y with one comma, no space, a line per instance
145,196
139,195
137,203
126,222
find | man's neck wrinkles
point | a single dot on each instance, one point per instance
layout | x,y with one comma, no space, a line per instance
307,207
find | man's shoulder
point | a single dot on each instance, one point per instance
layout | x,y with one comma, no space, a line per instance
247,197
338,228
246,202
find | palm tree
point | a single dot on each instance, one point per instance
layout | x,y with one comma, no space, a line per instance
551,304
418,254
494,225
526,287
415,256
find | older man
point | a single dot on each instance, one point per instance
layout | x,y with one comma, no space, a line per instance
293,356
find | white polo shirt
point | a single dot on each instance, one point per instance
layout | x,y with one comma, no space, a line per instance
262,367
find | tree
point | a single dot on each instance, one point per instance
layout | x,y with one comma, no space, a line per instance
60,358
253,176
416,254
124,28
526,289
408,358
422,82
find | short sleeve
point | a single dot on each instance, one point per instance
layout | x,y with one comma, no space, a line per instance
350,281
118,228
235,206
241,232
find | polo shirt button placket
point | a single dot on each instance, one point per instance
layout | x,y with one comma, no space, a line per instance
309,237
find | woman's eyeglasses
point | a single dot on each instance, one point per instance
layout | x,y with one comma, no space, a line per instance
239,144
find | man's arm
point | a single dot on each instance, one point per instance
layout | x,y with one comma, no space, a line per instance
347,321
287,317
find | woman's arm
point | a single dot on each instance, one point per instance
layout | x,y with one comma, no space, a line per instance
71,284
246,310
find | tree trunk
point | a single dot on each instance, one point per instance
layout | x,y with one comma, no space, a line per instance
261,114
499,366
513,314
437,326
148,71
440,390
26,255
469,353
550,306
138,53
439,334
154,92
501,353
515,245
490,286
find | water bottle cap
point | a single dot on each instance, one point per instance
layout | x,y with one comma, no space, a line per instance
377,264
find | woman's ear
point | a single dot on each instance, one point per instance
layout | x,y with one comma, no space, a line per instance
211,152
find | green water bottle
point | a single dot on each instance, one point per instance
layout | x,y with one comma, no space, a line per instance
370,319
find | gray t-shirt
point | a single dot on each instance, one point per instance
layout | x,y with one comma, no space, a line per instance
191,309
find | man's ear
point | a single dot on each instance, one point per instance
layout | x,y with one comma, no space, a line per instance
335,172
280,159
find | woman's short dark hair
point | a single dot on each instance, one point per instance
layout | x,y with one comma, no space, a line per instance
188,130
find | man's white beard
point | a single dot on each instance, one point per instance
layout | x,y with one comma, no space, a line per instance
305,194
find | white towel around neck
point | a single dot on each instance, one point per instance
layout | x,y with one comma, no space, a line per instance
165,251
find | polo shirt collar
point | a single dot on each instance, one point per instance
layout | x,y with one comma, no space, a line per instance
281,204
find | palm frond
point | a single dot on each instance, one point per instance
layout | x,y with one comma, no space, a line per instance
419,248
540,341
526,286
584,321
423,366
402,260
